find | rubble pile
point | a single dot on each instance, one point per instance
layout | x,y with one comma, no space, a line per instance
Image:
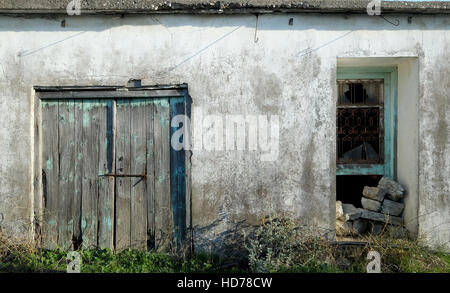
382,206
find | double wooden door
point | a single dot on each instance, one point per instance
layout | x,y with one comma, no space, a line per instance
107,173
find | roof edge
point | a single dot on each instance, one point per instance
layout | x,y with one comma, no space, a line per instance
225,7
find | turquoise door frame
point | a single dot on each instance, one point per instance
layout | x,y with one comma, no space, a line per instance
389,75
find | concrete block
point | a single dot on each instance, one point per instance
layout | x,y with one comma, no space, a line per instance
395,191
374,193
350,212
370,204
392,208
369,215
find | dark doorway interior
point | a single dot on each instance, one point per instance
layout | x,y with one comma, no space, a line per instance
349,188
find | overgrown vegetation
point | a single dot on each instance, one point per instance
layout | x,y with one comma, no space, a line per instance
279,245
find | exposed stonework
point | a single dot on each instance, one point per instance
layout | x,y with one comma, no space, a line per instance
371,205
394,190
374,193
392,208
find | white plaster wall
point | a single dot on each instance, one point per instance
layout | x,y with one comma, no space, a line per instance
290,71
408,139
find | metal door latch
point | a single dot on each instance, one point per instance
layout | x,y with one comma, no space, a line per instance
123,175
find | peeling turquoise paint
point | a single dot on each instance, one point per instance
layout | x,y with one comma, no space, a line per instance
108,223
164,121
62,119
141,160
139,102
83,224
46,103
161,102
51,222
86,119
49,164
90,104
124,139
70,225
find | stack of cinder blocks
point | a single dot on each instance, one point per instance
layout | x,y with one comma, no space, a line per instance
382,207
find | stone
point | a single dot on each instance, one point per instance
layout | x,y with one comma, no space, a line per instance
373,216
359,226
343,228
350,212
339,211
375,228
392,208
395,191
374,193
370,204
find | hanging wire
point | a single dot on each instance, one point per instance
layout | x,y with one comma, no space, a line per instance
398,21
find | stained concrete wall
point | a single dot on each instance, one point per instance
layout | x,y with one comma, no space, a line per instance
231,68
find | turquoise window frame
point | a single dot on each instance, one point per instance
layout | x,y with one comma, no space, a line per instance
389,75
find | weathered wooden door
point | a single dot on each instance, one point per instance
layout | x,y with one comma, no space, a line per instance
109,175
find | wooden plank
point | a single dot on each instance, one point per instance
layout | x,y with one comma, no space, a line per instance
37,171
163,206
150,171
112,94
50,169
188,154
78,174
138,162
123,184
45,89
66,172
106,165
90,150
178,174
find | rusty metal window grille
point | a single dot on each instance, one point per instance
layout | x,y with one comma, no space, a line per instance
360,116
